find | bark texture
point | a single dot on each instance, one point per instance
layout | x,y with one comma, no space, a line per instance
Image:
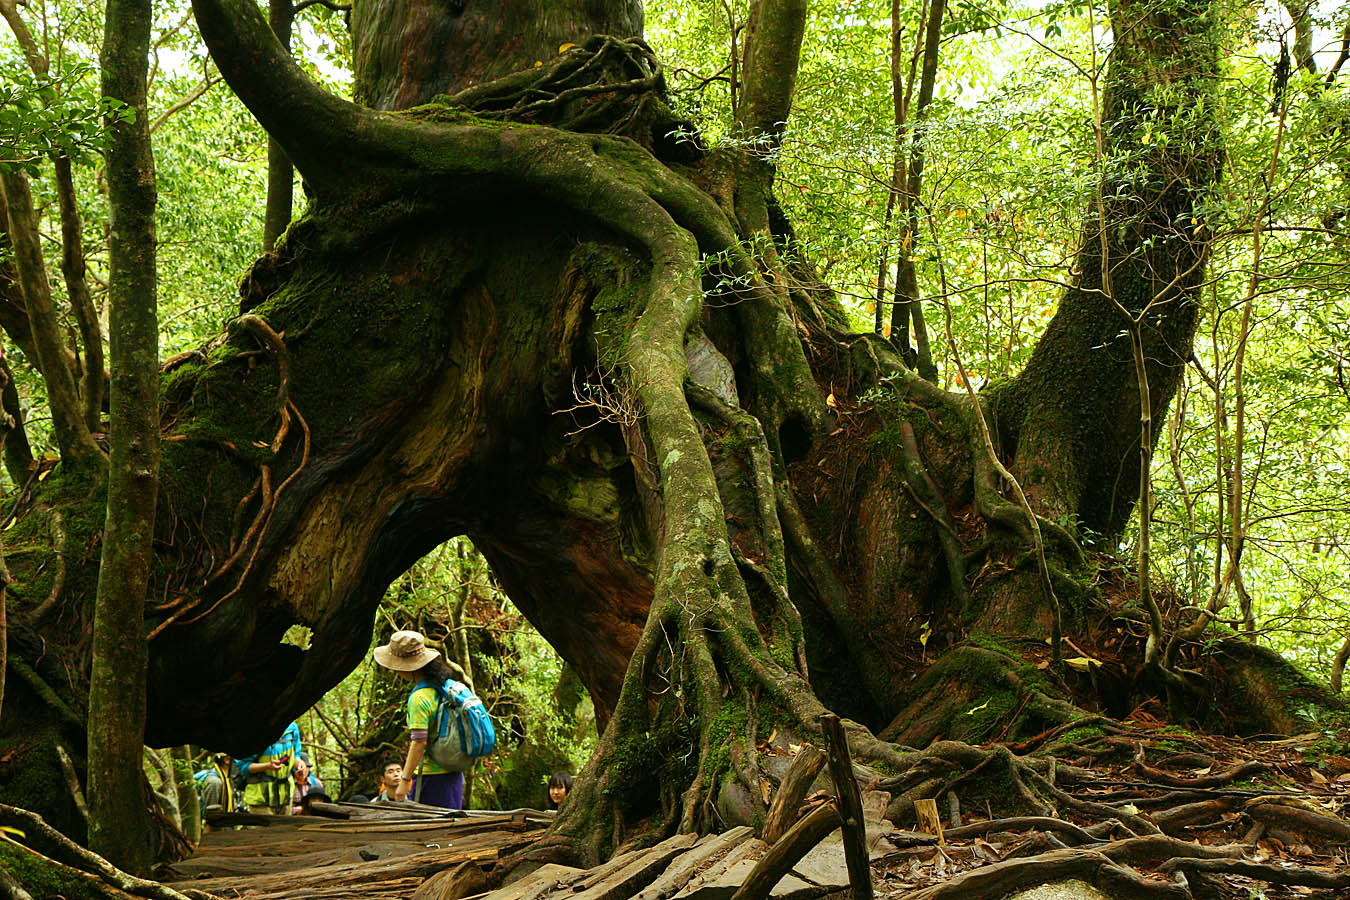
408,51
280,177
118,829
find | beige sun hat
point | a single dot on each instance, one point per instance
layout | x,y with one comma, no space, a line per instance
406,651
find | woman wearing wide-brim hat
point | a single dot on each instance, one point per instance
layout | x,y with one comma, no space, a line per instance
408,655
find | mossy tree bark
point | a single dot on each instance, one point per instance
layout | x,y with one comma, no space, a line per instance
525,313
280,176
119,823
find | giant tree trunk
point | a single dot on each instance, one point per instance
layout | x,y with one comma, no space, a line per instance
493,321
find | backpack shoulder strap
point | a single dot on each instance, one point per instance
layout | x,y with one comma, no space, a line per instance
444,692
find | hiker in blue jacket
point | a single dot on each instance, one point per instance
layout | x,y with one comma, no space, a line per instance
408,655
267,775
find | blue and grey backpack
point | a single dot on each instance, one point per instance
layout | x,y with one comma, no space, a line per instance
461,730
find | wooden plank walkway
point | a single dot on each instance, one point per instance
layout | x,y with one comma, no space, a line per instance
376,851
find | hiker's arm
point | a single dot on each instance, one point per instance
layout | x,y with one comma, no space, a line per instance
415,751
249,765
275,765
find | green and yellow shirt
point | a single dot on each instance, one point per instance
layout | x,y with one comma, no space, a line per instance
422,705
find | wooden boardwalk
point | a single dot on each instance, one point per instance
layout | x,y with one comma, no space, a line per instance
380,851
388,853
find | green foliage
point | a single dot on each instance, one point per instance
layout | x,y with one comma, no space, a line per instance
46,116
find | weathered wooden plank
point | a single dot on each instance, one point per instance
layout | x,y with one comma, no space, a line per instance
385,889
221,819
773,866
417,865
462,826
633,857
539,882
711,848
801,774
236,854
728,883
751,849
643,868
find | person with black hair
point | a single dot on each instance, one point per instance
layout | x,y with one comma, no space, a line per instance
559,786
306,782
389,779
408,655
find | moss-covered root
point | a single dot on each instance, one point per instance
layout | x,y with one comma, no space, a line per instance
48,864
979,694
996,779
1250,689
701,651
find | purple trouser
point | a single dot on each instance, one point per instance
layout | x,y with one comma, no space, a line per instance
445,791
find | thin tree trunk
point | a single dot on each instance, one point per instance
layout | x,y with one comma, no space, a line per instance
459,636
119,827
1175,423
81,303
906,311
4,588
899,105
36,60
280,175
1237,509
72,434
18,454
1338,666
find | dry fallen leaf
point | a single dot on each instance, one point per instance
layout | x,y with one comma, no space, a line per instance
986,850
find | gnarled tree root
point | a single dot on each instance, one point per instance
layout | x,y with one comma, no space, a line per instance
1093,866
49,852
1266,872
